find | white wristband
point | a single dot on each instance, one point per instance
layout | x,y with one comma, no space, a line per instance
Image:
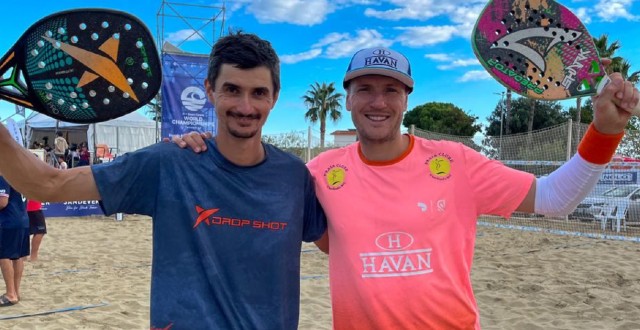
560,193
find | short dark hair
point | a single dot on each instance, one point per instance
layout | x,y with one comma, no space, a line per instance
59,133
244,51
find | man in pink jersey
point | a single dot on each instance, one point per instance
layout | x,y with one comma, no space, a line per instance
402,210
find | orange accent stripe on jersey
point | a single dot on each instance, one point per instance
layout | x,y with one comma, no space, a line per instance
388,162
599,148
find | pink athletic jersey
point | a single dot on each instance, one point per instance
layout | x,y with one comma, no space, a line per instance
402,233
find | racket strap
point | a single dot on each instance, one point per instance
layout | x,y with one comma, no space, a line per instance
599,148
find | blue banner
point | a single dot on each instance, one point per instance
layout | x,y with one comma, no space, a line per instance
71,209
185,107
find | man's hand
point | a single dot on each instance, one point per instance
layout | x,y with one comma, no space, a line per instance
613,106
193,140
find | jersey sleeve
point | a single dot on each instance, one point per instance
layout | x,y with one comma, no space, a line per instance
130,182
315,220
498,189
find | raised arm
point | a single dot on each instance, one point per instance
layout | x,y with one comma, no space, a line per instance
561,191
37,180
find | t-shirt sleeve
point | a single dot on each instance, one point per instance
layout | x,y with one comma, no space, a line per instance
498,189
315,220
130,183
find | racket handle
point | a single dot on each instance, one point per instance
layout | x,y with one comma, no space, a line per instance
604,82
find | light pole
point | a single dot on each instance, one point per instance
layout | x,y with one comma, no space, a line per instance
501,118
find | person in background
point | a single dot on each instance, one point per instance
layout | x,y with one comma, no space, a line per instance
85,156
37,227
14,240
60,145
62,164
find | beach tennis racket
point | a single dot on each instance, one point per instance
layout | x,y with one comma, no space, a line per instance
82,66
538,49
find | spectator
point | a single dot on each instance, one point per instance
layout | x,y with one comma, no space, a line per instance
84,154
14,241
60,145
37,226
62,164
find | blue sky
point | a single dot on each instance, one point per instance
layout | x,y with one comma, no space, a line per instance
316,38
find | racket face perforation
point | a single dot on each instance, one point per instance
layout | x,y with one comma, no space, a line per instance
81,65
537,48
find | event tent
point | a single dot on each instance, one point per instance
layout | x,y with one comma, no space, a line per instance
124,134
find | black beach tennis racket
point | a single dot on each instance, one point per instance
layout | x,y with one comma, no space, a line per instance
538,49
82,66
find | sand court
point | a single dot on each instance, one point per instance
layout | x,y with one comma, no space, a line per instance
95,273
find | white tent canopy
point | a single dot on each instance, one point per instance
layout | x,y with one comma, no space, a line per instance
124,134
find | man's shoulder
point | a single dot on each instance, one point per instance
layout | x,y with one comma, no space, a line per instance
277,153
338,156
337,153
439,145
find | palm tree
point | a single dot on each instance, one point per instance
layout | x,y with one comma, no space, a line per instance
322,101
605,50
624,67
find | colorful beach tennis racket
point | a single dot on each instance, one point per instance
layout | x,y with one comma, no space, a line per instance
82,66
538,49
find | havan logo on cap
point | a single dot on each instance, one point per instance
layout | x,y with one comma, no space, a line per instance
382,58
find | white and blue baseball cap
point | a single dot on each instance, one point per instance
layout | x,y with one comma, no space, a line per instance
379,61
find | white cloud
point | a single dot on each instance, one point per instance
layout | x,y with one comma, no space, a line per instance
347,45
419,36
475,75
611,10
607,11
583,14
438,57
340,45
184,35
330,39
425,9
295,58
459,63
451,62
298,12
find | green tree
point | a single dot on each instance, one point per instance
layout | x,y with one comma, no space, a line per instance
442,118
154,108
548,113
293,142
322,102
586,116
624,67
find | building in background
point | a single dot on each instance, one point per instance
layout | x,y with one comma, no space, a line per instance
344,138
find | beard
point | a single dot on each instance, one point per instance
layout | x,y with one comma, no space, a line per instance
376,135
241,134
376,138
